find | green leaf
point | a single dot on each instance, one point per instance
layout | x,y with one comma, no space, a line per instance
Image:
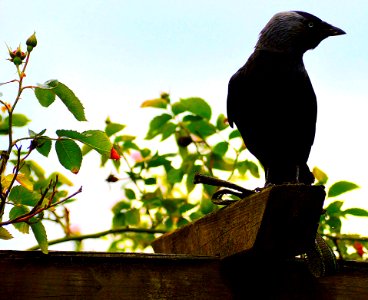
132,217
190,177
130,194
112,128
168,130
220,148
118,220
320,176
206,206
221,122
156,125
234,134
96,139
197,106
178,108
201,128
121,206
41,236
69,154
44,146
18,211
157,103
175,176
44,96
5,234
20,195
334,209
358,212
341,187
248,165
19,120
150,181
70,100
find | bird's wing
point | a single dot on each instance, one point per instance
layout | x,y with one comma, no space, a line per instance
272,102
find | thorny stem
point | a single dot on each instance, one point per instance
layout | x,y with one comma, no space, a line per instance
5,155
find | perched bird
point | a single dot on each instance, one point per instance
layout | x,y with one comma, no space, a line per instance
271,99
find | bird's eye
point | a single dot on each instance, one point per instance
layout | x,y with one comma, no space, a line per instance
310,24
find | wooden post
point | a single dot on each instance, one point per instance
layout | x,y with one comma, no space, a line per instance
280,221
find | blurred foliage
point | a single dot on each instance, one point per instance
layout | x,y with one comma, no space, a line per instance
158,190
347,247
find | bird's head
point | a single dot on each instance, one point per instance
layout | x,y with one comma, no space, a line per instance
295,32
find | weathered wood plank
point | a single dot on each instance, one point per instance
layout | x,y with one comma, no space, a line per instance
69,275
280,220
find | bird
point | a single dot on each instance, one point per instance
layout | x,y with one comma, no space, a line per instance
271,98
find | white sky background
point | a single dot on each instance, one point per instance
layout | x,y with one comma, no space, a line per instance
116,54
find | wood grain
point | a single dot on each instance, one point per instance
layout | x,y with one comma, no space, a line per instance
280,220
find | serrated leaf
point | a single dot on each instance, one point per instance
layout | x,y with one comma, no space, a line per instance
5,234
156,103
70,100
112,128
41,237
358,212
96,139
17,211
44,147
69,154
197,106
45,96
341,187
156,125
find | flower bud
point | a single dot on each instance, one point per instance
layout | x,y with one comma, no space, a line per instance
17,61
114,154
31,42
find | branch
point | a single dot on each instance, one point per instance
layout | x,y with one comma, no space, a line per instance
346,237
99,235
37,209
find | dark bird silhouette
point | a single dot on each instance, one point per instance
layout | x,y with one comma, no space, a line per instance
271,98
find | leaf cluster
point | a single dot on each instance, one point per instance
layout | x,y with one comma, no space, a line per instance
158,188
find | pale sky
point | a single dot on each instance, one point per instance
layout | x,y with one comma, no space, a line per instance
116,54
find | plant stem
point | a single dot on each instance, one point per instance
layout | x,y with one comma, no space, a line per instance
99,235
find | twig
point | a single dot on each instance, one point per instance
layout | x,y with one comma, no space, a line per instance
33,212
200,178
99,235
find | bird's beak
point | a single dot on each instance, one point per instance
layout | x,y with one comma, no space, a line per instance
332,30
